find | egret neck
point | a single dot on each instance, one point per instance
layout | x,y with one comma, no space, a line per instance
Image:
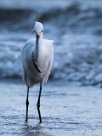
38,41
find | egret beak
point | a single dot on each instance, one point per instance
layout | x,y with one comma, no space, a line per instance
39,33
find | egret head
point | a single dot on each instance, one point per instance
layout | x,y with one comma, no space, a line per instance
38,28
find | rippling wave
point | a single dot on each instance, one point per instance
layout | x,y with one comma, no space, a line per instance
75,17
76,29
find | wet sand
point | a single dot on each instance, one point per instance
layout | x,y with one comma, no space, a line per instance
67,110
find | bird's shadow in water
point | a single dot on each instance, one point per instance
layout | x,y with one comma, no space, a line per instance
36,130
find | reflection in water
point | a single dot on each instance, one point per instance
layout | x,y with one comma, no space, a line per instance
36,130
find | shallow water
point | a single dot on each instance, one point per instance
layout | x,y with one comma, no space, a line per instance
66,110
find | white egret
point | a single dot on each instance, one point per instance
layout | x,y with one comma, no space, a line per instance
37,58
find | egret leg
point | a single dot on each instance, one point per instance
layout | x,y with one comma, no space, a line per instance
27,104
38,103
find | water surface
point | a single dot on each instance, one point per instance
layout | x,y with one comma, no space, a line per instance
66,110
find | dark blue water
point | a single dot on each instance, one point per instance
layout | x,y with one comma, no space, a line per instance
75,27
